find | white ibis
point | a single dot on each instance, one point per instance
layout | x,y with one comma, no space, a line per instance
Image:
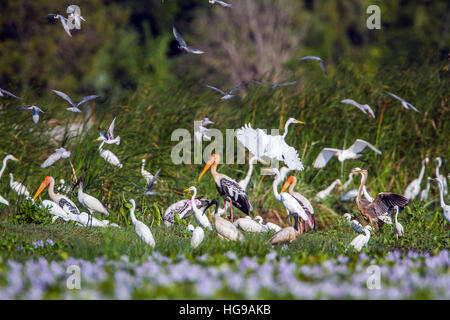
224,228
291,205
326,192
405,104
58,154
413,189
197,235
319,60
89,202
244,183
363,107
202,220
109,156
291,182
383,203
362,240
438,161
63,22
445,207
398,227
228,188
354,224
75,106
142,230
424,192
36,112
262,145
182,44
64,202
227,95
353,152
248,225
18,187
108,138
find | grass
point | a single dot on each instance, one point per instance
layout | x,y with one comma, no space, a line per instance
145,123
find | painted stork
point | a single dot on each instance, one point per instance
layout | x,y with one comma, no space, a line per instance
413,189
326,192
291,182
64,202
353,152
142,230
291,205
384,202
228,188
197,235
202,220
18,187
89,202
362,240
224,228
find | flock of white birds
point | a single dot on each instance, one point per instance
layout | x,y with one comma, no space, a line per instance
262,146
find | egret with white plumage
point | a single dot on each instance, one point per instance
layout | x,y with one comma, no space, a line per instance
18,187
60,153
89,202
202,220
142,230
224,228
413,189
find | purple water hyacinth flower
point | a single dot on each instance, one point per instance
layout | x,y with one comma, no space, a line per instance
38,244
206,286
49,242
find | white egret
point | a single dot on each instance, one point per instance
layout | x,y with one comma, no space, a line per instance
109,136
292,206
75,106
36,112
3,92
363,107
228,188
182,44
63,22
405,104
18,187
244,182
262,145
398,227
362,240
227,95
345,185
197,235
326,192
445,207
413,189
321,63
354,224
58,154
89,202
5,160
424,192
351,153
438,161
109,156
224,228
142,230
202,220
63,201
383,203
221,3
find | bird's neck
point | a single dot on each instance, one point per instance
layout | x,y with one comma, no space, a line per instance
286,128
194,205
3,167
133,217
361,186
276,182
51,190
441,194
249,173
422,172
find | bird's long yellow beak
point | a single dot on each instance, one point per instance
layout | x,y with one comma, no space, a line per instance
285,186
208,164
43,185
98,139
186,189
15,159
299,122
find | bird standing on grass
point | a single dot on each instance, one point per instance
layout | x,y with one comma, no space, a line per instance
354,224
424,192
231,192
438,161
202,220
398,227
445,207
362,240
413,189
326,192
89,202
247,224
286,235
224,228
141,229
197,235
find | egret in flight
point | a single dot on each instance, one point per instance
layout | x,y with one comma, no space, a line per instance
58,154
227,95
413,189
351,153
383,203
200,130
182,44
231,192
75,106
321,63
74,13
221,3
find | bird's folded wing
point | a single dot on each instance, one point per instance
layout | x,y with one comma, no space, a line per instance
324,156
359,146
